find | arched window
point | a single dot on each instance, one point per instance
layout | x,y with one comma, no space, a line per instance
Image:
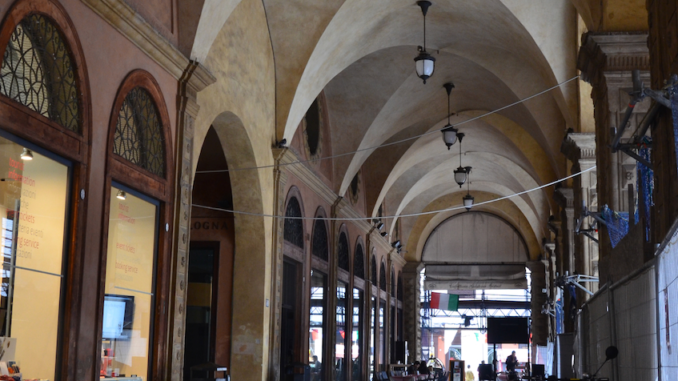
393,282
342,252
138,133
359,263
319,244
400,289
373,270
294,228
37,71
382,277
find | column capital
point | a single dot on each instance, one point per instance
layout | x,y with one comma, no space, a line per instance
579,146
612,51
564,197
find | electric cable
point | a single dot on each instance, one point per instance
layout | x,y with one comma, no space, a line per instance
401,215
397,141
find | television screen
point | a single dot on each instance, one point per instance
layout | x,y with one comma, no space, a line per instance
118,317
508,330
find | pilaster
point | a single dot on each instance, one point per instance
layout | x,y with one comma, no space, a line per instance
411,315
194,79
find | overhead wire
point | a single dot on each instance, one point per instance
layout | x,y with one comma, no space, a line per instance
397,141
400,215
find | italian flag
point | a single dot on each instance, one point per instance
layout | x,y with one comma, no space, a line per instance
447,302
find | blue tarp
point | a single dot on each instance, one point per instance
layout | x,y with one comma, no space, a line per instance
645,188
617,225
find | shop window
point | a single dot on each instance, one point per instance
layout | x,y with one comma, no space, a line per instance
393,282
139,133
357,335
127,329
317,325
33,209
37,71
342,252
382,277
373,271
382,335
319,244
359,263
400,289
341,337
293,231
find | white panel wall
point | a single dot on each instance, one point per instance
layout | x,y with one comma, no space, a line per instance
475,238
667,272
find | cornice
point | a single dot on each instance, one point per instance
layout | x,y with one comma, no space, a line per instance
128,22
397,258
579,146
618,51
564,197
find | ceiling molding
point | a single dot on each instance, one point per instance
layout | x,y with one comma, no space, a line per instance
131,25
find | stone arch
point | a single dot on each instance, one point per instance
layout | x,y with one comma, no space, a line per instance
250,283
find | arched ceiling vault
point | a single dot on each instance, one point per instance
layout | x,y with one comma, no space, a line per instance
360,54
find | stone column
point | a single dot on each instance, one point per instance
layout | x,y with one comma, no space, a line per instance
194,79
580,149
565,198
412,307
606,61
280,179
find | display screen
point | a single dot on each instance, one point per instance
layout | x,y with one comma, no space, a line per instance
508,330
118,317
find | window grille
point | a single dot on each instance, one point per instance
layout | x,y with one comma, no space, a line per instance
293,228
342,252
319,244
37,71
359,263
138,133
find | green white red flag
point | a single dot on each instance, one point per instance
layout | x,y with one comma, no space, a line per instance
449,302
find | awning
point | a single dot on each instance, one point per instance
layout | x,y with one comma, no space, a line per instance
475,277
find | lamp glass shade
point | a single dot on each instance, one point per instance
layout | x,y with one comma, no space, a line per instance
425,65
449,136
468,201
26,154
460,176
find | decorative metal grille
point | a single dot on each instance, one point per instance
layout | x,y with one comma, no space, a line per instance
359,263
393,282
37,71
373,271
382,277
400,289
294,228
138,133
319,244
342,252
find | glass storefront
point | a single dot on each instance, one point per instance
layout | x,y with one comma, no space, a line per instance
317,325
357,334
382,335
34,206
340,348
127,331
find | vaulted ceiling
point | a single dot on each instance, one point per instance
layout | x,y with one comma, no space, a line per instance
360,54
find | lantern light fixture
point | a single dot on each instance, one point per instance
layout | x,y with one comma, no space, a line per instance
468,199
449,132
26,155
460,173
121,195
424,63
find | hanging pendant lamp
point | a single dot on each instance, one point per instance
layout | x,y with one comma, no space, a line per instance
449,132
468,199
460,173
425,63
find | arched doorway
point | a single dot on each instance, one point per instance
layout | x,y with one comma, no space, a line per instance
210,262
